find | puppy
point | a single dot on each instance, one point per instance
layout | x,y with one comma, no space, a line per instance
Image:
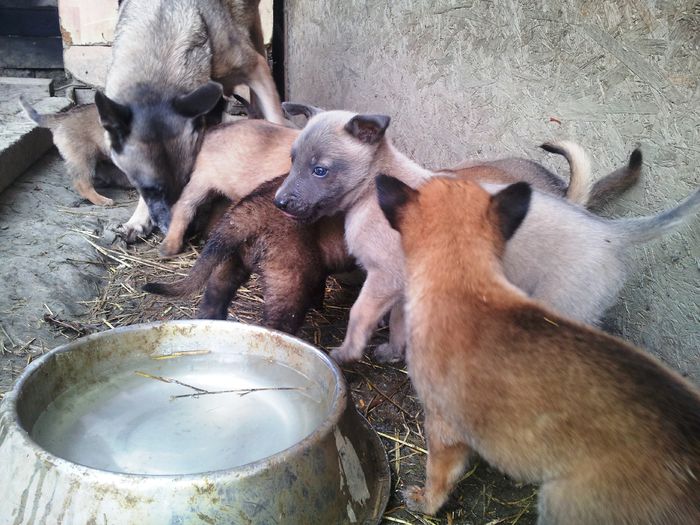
292,258
612,435
80,140
573,261
235,158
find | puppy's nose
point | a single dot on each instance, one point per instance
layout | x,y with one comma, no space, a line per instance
281,202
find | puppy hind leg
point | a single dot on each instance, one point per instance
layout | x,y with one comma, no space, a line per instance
286,300
446,464
83,176
263,87
221,288
394,350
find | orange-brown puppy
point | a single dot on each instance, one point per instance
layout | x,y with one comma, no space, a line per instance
611,434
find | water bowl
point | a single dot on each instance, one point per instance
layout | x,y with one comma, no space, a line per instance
187,422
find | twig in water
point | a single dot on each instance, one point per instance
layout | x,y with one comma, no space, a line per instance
202,392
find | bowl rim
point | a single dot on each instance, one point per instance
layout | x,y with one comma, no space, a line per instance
338,405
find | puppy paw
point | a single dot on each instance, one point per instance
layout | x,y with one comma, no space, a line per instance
344,355
102,201
388,353
414,497
169,248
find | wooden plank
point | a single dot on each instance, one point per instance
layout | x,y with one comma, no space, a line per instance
36,22
31,53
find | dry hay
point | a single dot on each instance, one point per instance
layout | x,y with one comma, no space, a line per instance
382,393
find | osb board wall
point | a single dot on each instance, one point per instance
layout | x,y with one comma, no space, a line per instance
486,79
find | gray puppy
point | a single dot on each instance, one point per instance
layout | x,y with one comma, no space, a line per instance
159,89
564,256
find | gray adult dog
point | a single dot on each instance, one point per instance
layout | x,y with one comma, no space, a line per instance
171,62
566,257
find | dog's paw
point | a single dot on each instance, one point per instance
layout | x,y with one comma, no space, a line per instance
414,497
344,355
388,353
131,232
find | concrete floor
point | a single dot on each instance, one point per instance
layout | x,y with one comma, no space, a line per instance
48,265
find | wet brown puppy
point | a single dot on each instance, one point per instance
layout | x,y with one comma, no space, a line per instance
292,258
81,142
612,435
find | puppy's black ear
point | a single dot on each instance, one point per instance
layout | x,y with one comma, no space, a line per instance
368,128
509,206
114,117
292,109
393,196
200,101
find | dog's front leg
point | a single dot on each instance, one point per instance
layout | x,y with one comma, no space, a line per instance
139,225
376,297
183,211
261,83
394,350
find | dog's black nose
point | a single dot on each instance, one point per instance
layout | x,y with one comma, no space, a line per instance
281,203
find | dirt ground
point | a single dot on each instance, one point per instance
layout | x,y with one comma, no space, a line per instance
66,274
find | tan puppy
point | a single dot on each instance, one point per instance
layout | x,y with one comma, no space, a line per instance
612,435
235,159
80,140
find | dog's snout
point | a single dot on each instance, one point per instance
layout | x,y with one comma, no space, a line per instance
281,202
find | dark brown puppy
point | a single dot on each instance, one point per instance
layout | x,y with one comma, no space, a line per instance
612,435
253,236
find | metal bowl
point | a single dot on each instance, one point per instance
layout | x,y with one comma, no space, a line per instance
187,422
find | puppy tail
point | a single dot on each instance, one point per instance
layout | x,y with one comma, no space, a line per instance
617,182
217,249
647,228
580,182
32,113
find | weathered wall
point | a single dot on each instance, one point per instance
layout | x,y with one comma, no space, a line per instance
485,79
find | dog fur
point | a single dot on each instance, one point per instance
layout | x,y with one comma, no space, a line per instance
612,435
293,260
171,62
234,160
571,260
80,140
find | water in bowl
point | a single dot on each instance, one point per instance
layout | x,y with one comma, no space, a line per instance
129,421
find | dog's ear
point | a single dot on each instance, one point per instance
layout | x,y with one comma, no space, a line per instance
509,207
368,128
200,101
393,196
292,109
114,117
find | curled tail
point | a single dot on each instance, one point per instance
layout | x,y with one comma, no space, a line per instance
647,228
32,113
617,182
218,248
580,182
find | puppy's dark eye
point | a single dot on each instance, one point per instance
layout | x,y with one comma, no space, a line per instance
320,171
